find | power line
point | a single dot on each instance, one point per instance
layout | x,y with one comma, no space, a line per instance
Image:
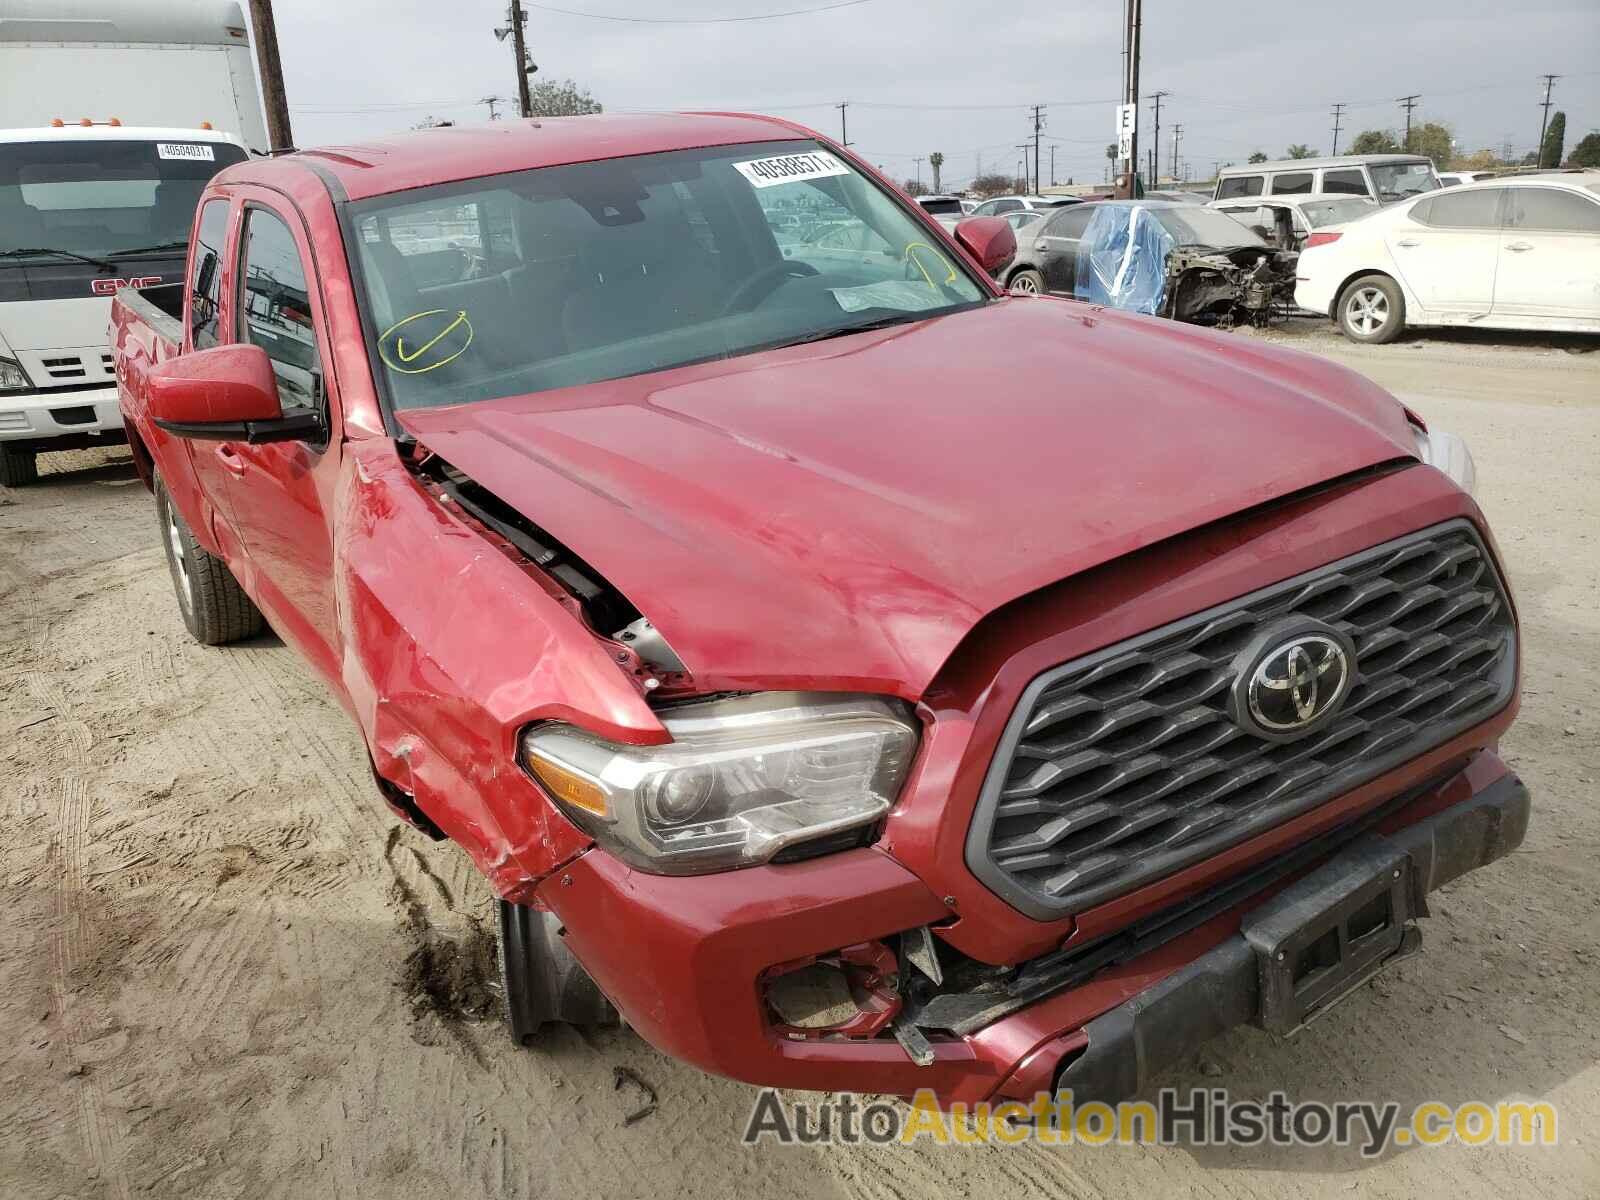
772,16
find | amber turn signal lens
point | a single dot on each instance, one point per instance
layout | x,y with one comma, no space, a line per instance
568,786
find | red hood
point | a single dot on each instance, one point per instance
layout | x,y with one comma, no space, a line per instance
839,515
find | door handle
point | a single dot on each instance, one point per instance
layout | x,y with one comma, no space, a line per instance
229,457
1040,245
1519,247
1408,242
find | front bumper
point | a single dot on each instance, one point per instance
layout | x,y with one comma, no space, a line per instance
681,958
53,415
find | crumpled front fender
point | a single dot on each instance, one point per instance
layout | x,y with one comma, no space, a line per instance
450,649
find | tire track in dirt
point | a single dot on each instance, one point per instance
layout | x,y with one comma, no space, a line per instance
101,1141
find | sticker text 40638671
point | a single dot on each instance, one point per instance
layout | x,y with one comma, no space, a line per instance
790,168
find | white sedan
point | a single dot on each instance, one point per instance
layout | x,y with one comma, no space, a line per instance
1520,253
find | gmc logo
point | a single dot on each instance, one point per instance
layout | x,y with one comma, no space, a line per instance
105,287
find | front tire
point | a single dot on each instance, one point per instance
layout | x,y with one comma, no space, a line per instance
1026,282
1372,310
544,983
17,467
215,608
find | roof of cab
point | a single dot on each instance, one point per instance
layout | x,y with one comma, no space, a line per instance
422,158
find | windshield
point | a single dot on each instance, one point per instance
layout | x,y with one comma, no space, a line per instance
1194,225
941,204
102,198
1396,181
573,274
1333,212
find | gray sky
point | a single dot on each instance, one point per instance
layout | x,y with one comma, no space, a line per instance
958,75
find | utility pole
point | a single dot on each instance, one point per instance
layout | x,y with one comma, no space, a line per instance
1544,121
519,47
918,164
844,130
1408,102
1038,123
1024,147
1338,119
264,31
1155,141
516,18
1132,23
1052,166
491,101
1177,133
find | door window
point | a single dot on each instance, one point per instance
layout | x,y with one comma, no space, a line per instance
1345,183
1293,183
1461,210
205,282
275,308
1069,222
1239,185
1553,210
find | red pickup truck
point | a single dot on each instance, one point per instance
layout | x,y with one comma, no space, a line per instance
858,677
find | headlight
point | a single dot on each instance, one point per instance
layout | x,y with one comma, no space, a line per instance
1450,454
741,779
12,377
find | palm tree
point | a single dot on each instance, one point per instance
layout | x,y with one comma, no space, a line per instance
936,161
1301,150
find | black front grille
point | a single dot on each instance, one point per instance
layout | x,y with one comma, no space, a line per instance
1128,764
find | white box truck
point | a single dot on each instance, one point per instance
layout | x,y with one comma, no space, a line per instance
112,119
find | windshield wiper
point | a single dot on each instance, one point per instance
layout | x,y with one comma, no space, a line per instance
18,253
179,244
822,335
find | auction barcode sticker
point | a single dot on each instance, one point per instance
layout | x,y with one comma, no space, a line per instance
194,151
790,168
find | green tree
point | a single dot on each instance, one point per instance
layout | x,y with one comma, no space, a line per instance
561,98
1375,141
1433,140
936,161
1258,156
1587,152
1555,141
1301,150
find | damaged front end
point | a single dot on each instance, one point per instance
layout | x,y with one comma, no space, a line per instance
1226,287
1129,259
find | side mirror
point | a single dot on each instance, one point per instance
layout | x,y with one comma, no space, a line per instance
990,240
225,394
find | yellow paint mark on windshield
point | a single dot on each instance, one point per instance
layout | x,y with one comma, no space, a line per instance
917,262
408,355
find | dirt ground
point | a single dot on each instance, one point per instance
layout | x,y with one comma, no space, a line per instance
226,973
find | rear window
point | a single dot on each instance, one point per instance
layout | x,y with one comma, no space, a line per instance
1239,185
943,206
1461,210
1345,183
1295,183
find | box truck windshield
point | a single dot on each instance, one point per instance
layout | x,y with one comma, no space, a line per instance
102,200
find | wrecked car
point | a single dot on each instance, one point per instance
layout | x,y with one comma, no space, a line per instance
836,729
1181,261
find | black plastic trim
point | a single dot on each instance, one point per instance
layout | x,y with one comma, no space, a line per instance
1134,1042
1034,905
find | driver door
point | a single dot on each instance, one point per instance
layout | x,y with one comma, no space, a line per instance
282,493
1056,245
